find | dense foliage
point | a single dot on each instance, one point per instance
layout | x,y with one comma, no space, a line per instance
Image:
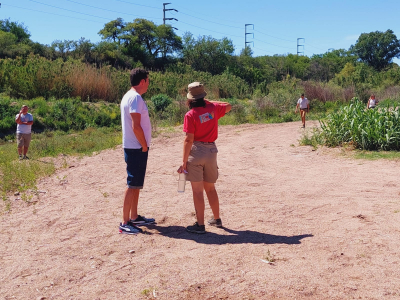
73,77
367,129
377,48
99,70
60,114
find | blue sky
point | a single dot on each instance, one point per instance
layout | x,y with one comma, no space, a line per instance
324,25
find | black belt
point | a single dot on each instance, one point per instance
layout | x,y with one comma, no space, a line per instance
206,142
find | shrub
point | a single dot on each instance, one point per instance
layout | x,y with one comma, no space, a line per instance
161,102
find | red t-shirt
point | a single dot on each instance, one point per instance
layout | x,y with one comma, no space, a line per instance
203,121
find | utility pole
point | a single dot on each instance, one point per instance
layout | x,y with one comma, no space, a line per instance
299,45
246,33
166,19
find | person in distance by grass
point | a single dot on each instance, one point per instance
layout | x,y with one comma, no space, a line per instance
200,152
372,102
24,122
136,137
304,106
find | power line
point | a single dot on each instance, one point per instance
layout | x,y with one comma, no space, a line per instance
71,10
273,44
313,46
68,10
76,12
137,4
211,30
54,14
274,36
211,21
101,8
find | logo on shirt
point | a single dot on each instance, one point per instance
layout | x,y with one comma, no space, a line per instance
206,117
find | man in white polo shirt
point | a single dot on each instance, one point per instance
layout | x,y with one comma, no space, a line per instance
24,128
136,137
304,106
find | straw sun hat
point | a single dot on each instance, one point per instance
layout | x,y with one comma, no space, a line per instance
196,91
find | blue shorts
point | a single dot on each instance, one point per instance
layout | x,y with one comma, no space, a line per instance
136,163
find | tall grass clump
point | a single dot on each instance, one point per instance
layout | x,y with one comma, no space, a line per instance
312,138
36,76
372,129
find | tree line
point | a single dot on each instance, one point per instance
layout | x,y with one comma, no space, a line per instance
365,65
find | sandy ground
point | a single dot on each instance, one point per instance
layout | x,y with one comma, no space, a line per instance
329,224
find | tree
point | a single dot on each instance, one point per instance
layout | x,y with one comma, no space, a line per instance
246,52
143,40
113,30
377,49
19,30
62,48
297,66
9,47
156,40
323,67
83,49
206,53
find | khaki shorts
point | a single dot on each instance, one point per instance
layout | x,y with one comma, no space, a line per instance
202,163
23,139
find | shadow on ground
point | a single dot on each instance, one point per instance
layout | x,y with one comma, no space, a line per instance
234,236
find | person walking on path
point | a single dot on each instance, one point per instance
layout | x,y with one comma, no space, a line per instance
24,122
200,152
372,102
136,138
304,106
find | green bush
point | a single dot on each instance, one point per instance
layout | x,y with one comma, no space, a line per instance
161,102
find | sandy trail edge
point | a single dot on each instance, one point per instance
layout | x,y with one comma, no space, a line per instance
330,223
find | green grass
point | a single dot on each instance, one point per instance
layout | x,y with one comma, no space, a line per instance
374,155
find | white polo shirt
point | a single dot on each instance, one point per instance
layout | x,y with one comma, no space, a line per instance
303,102
132,102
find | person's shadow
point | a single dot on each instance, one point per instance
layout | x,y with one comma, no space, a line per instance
235,236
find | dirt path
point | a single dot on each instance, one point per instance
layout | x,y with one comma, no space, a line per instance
331,224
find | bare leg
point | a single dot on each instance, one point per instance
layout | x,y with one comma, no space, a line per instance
25,150
198,199
130,204
303,117
212,196
19,150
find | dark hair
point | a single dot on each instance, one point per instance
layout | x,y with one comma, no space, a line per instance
137,75
302,95
196,103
